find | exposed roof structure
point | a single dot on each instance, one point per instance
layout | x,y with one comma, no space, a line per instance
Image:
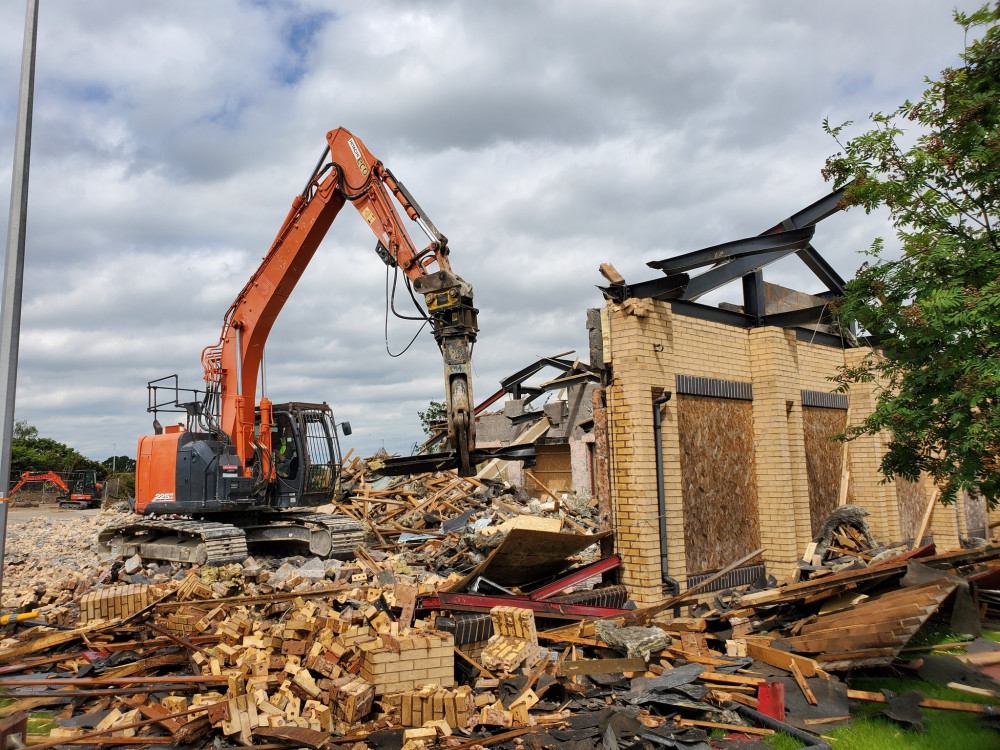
745,259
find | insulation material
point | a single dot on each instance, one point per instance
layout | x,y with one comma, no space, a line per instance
824,461
912,504
553,469
717,471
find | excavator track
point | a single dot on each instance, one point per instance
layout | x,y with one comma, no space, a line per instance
213,543
326,534
184,541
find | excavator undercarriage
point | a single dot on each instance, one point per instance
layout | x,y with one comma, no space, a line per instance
200,542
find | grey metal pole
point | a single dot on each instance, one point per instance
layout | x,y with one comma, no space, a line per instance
13,274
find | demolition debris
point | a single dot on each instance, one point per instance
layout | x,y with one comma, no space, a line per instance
473,616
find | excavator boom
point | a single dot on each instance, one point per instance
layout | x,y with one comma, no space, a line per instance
242,468
347,172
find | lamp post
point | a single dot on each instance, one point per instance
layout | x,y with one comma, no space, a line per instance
10,312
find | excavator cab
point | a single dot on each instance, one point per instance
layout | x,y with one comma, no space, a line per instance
306,454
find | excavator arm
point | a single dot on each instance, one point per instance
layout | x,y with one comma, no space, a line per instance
41,476
346,172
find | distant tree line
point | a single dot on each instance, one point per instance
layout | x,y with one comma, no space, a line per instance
31,452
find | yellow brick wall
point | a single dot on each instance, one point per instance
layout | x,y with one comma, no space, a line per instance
645,353
782,482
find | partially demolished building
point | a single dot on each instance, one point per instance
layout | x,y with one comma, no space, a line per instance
738,400
746,412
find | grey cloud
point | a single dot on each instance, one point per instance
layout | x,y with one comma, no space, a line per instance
542,138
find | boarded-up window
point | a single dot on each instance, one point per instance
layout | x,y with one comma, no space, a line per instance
824,460
553,469
721,522
976,517
912,504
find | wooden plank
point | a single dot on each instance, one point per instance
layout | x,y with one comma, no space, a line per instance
27,704
564,638
542,487
729,695
610,273
892,566
869,615
974,690
893,625
803,686
133,725
782,659
48,641
156,711
982,659
845,476
696,658
917,540
750,689
869,653
684,624
975,708
735,679
600,666
526,555
473,662
840,644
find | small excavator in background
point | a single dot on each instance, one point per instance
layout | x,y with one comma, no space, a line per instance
83,490
240,470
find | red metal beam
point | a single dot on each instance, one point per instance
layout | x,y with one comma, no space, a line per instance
576,576
446,600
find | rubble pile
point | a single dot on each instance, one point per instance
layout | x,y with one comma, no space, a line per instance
843,542
442,522
476,616
48,561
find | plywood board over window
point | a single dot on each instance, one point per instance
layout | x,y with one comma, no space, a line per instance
912,504
976,515
721,521
824,460
553,469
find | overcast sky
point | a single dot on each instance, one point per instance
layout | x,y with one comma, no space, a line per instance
542,138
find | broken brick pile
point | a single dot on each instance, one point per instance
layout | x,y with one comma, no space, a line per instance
312,653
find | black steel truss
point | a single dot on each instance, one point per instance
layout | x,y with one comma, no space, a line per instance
744,259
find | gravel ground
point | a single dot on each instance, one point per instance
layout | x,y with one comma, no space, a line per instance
46,544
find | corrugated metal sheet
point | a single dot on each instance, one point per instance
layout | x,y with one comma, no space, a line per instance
824,400
692,385
740,577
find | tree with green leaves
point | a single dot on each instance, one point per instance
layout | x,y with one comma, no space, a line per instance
435,412
29,452
119,464
933,308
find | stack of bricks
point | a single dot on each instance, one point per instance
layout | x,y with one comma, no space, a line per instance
113,603
192,587
514,641
408,661
184,621
351,698
414,708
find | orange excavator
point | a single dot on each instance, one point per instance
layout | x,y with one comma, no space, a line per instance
241,468
84,494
